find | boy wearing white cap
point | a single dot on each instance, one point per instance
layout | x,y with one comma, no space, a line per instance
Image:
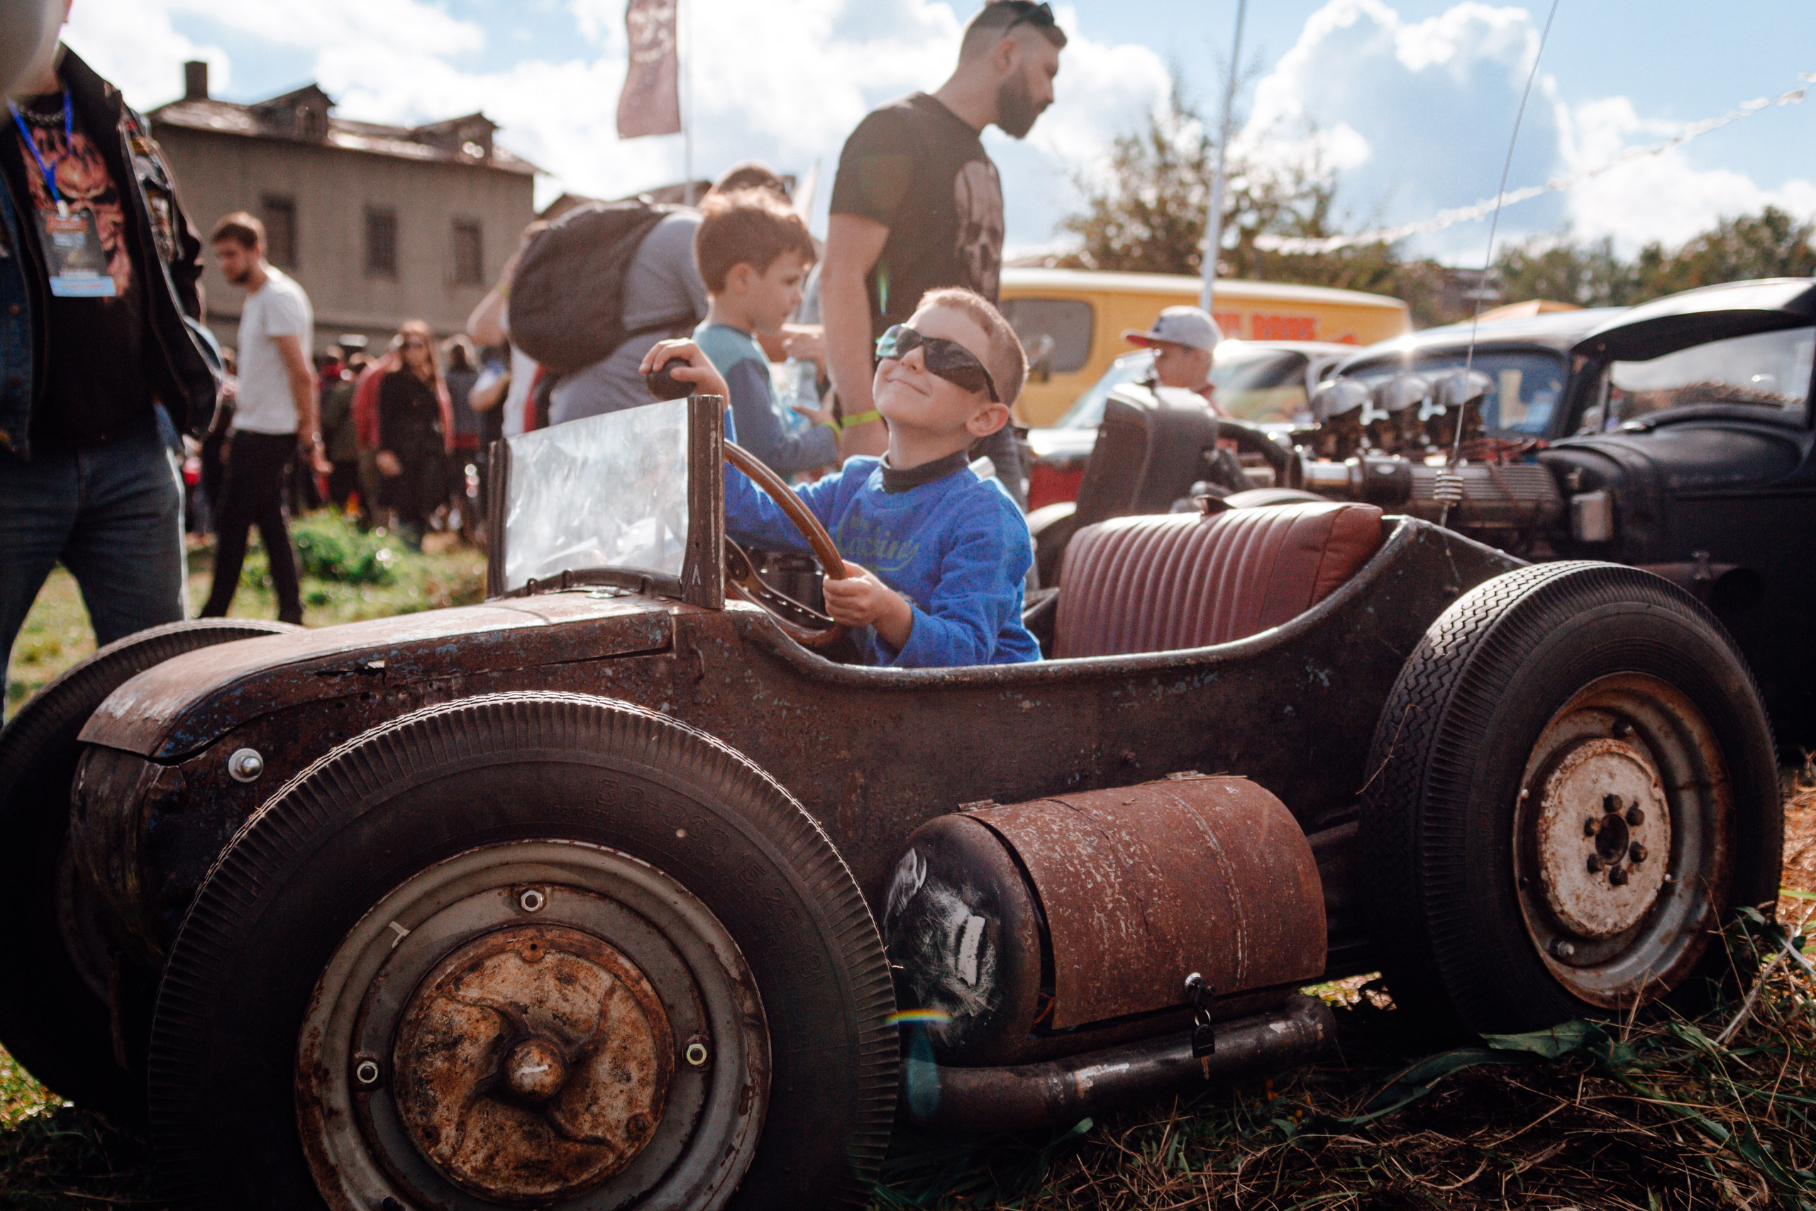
1182,339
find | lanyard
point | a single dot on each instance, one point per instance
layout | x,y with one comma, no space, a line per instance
31,145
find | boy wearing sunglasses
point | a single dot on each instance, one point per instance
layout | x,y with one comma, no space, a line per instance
936,556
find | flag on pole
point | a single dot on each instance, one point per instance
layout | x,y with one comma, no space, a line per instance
651,101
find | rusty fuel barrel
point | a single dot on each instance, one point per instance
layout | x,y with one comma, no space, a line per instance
1024,932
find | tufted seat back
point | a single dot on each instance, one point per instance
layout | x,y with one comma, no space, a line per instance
1179,580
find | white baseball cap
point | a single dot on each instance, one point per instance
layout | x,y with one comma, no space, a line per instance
1192,327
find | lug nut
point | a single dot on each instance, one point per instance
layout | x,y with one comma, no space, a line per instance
695,1055
1612,803
1561,949
1591,826
1595,864
245,765
366,1072
531,900
1637,852
1617,875
1635,817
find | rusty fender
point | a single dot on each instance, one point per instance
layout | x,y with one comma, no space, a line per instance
1031,1096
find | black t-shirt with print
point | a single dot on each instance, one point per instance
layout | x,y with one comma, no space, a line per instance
916,167
95,383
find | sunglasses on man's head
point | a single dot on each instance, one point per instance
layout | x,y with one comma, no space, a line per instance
948,359
1040,16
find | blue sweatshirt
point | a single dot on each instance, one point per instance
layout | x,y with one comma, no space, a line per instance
763,429
953,544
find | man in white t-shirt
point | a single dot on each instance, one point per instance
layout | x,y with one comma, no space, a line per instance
275,416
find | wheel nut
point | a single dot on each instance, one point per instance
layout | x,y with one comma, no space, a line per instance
1637,852
1612,803
366,1072
531,900
695,1055
1561,949
1595,864
1635,817
1617,875
1591,825
245,765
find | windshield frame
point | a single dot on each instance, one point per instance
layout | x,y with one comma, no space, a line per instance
702,579
1598,379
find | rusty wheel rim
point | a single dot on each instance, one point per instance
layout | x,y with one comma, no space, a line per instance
1623,841
537,1024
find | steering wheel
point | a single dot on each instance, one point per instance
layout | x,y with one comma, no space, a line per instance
803,624
1289,471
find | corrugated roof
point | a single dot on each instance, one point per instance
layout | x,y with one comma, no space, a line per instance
403,142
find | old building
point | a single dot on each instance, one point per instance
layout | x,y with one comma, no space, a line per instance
380,224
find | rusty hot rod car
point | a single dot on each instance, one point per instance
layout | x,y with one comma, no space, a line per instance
612,891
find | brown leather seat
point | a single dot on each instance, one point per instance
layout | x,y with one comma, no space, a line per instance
1179,580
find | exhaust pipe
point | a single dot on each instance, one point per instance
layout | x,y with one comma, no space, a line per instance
1026,1097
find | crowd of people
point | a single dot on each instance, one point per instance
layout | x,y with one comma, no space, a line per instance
899,374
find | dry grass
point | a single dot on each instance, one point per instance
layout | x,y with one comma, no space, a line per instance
1644,1116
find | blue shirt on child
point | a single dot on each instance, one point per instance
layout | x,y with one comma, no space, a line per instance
764,430
950,542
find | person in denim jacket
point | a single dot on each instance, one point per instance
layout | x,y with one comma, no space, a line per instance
92,344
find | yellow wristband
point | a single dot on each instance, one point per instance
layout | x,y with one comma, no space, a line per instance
862,418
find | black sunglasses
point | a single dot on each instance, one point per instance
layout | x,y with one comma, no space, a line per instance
948,359
1040,16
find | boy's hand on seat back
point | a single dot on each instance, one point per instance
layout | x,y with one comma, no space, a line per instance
862,600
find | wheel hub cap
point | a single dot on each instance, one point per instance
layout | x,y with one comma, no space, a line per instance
533,1063
1604,837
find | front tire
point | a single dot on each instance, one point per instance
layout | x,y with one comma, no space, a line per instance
527,949
1572,788
55,1016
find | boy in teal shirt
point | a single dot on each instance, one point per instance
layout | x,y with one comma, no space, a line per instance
754,253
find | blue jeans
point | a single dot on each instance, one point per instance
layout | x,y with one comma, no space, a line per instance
112,514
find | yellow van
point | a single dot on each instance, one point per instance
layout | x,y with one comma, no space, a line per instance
1072,321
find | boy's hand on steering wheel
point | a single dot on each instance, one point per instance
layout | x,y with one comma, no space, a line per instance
862,600
698,368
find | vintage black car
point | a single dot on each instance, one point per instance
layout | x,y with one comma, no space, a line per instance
1674,436
614,891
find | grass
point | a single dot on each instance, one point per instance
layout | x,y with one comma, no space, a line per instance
346,576
1646,1116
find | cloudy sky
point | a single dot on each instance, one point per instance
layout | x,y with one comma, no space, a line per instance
1413,99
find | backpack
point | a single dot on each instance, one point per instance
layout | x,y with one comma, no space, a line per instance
567,296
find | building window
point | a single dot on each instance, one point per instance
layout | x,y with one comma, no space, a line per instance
279,214
381,243
469,253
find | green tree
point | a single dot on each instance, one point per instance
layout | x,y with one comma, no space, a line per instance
1589,275
1770,244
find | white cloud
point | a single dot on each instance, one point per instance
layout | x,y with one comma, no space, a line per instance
784,82
1417,116
1664,197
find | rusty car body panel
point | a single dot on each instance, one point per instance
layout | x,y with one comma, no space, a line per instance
872,753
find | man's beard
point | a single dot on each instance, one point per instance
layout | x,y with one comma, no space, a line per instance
1015,108
239,277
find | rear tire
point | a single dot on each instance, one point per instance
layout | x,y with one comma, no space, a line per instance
54,1015
1539,707
412,847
